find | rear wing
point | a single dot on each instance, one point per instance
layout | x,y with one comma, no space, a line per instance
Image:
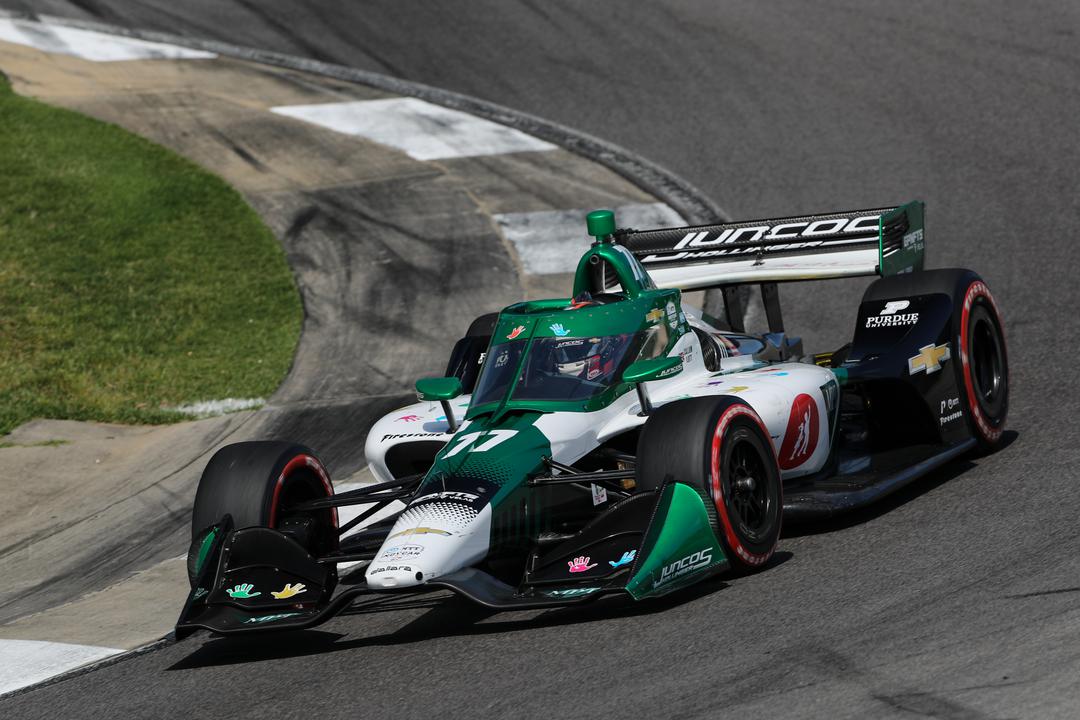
882,241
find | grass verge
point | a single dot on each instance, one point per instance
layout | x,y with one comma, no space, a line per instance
130,279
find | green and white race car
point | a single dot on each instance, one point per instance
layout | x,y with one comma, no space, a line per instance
617,441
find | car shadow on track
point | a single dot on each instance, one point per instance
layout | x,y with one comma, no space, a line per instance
447,616
902,496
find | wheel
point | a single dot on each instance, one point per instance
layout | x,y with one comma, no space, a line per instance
982,375
984,365
256,483
720,447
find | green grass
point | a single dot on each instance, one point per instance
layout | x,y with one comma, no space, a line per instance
130,279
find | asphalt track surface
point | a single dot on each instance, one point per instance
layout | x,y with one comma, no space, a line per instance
959,598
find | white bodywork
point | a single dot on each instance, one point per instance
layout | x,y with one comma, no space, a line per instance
790,399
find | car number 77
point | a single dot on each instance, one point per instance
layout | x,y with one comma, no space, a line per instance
494,438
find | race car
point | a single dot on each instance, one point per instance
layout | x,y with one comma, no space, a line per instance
617,441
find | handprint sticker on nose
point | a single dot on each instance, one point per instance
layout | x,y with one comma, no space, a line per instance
288,591
580,564
243,591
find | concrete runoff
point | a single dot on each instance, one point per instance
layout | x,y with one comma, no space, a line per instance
418,128
105,502
90,45
25,662
393,257
549,241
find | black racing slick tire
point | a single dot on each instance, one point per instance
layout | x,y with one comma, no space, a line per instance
978,332
256,483
720,447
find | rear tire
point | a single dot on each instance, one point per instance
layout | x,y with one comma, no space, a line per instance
977,332
720,447
983,366
256,483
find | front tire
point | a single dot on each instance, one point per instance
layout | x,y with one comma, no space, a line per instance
720,447
256,483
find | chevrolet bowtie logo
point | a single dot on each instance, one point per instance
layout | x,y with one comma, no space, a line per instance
929,359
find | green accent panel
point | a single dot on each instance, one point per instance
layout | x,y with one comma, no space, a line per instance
681,549
615,258
655,369
912,254
524,321
841,375
601,223
494,457
204,549
500,450
444,388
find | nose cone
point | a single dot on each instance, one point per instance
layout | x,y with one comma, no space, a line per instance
437,534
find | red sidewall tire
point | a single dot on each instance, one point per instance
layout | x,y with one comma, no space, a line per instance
692,441
987,430
727,429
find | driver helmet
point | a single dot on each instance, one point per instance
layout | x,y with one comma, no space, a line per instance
586,358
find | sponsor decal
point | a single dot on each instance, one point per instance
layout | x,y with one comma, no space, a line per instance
401,552
242,591
687,355
288,591
801,437
929,359
452,495
950,410
420,531
515,332
269,618
408,418
480,361
672,315
670,371
687,565
803,234
599,495
890,315
199,592
732,389
398,436
626,559
914,240
559,330
391,568
580,564
569,343
570,592
655,315
503,358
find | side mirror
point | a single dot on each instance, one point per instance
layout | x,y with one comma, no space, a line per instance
644,371
655,369
442,390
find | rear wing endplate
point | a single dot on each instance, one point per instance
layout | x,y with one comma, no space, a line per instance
882,241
